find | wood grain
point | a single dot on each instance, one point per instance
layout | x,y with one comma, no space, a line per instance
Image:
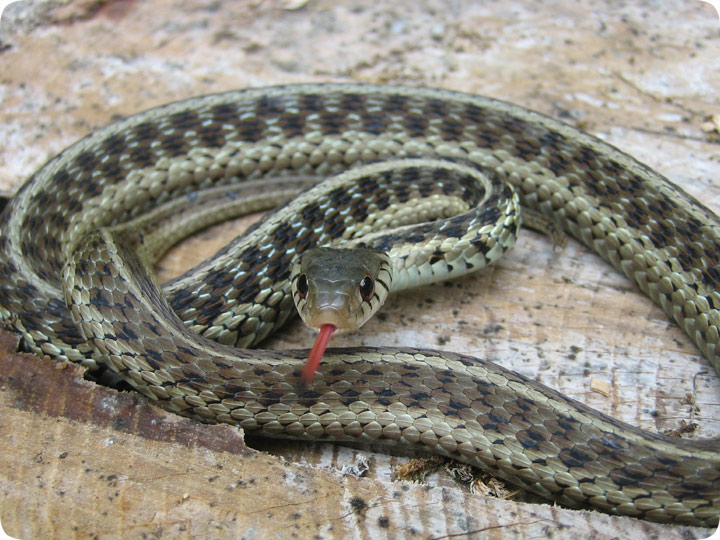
81,460
77,460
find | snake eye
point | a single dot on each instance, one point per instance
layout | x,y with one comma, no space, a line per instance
367,288
302,285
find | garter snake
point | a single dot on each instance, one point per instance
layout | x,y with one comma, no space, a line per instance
64,239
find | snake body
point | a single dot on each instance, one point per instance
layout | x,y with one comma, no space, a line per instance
72,285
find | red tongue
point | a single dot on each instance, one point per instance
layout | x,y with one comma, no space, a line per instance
317,352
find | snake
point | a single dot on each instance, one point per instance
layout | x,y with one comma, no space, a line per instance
79,239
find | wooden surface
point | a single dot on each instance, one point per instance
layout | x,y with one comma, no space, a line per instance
643,78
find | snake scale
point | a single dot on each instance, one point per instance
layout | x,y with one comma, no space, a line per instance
63,239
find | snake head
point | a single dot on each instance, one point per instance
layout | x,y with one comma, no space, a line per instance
336,290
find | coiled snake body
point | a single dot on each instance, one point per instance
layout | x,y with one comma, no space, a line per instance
64,241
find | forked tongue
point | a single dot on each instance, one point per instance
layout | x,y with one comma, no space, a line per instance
317,353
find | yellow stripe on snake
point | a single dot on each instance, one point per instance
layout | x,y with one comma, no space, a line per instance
73,285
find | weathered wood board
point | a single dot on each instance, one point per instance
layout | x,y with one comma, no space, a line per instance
78,460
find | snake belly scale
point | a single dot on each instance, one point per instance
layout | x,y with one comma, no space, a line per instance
63,239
